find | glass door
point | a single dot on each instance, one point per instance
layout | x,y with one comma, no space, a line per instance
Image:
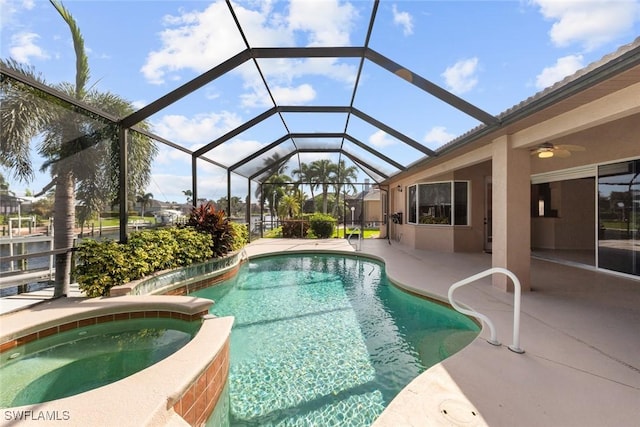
619,217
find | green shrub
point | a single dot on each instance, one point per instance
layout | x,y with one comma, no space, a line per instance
295,228
101,265
240,236
206,219
149,251
273,233
192,246
322,225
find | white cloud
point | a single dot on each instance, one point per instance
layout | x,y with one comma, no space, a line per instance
403,19
256,97
437,137
138,104
381,139
233,151
193,42
199,130
589,23
461,76
294,95
168,187
10,8
281,74
170,156
563,67
23,47
327,22
190,42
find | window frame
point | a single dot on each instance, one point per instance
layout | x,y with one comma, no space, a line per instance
413,206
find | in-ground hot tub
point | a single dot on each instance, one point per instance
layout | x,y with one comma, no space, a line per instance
186,383
88,357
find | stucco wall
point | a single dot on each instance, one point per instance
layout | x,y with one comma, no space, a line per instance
445,238
606,143
471,238
433,237
574,226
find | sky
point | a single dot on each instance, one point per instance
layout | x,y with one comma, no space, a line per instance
493,54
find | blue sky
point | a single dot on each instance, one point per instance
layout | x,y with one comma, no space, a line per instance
493,54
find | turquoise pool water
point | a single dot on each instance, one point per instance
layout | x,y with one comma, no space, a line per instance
326,340
86,358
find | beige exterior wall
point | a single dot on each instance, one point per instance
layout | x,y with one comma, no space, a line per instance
433,237
373,211
574,228
610,142
605,122
471,238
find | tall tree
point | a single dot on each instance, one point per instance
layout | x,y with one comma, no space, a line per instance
145,201
307,176
81,152
270,191
344,176
323,171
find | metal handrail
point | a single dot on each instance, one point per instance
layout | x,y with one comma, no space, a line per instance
359,244
515,347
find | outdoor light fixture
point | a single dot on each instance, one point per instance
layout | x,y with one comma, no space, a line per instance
545,154
399,188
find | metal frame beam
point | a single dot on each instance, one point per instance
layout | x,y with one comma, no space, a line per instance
246,125
391,131
431,88
187,88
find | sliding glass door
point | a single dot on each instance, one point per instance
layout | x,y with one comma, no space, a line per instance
619,217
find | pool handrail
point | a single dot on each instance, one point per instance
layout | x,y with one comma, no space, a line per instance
351,233
515,347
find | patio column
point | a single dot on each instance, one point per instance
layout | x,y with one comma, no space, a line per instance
511,184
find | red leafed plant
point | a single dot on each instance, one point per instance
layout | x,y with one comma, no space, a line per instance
207,219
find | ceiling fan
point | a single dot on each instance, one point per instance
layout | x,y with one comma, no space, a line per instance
547,149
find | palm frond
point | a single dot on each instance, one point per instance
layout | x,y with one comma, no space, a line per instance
82,62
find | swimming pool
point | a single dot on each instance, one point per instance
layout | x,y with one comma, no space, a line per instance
85,358
327,340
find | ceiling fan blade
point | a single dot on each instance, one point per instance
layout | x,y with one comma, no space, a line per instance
561,153
570,147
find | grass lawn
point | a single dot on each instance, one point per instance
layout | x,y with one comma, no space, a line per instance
338,233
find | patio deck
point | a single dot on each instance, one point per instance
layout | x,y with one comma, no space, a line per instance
579,330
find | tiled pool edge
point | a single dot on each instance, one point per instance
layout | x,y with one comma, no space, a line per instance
94,320
158,395
200,399
205,274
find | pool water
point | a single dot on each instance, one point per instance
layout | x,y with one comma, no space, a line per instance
324,340
82,359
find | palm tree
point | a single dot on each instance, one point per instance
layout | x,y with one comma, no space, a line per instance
289,206
306,176
344,176
323,171
269,190
144,200
82,152
275,189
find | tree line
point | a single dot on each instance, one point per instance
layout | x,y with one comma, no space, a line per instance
285,197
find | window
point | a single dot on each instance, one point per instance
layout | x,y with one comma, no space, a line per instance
444,203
